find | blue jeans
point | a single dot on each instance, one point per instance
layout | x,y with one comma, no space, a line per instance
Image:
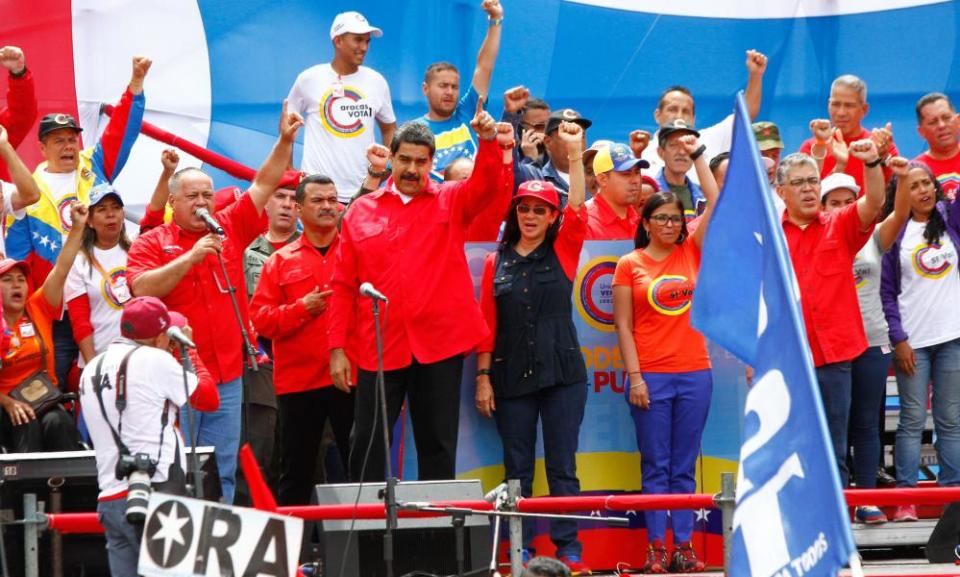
836,385
941,364
560,411
221,430
65,349
123,539
869,392
668,436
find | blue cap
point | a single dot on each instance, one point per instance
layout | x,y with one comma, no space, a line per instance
617,157
102,191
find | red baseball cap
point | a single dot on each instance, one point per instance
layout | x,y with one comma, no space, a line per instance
647,179
8,263
540,189
144,318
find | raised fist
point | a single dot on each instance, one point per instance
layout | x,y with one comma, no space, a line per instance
493,9
756,62
571,134
78,214
883,137
505,135
821,130
899,165
639,140
378,155
170,159
11,58
865,150
515,98
689,143
484,124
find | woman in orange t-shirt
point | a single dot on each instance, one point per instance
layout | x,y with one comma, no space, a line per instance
29,318
667,360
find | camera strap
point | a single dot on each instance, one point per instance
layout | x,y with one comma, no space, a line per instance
100,381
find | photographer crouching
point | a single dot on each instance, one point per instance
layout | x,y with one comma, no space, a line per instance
131,395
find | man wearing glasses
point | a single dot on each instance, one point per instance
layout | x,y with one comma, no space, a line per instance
178,263
822,248
556,170
610,213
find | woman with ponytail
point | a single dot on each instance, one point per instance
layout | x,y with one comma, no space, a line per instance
920,287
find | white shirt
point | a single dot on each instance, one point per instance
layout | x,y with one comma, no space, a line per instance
929,288
63,189
340,113
717,138
153,377
106,297
866,275
8,191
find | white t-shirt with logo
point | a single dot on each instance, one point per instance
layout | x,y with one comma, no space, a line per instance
929,288
341,114
153,377
8,191
106,297
63,190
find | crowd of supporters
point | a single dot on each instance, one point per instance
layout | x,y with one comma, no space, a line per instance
873,238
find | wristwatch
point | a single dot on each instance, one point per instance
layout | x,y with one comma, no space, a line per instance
481,372
698,152
382,174
875,163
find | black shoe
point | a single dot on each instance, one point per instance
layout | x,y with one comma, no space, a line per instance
884,479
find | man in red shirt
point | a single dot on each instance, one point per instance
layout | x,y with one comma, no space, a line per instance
610,213
178,263
847,107
822,249
289,307
407,239
937,124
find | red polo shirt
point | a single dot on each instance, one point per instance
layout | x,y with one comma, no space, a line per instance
414,254
854,165
822,256
486,226
604,224
301,359
201,295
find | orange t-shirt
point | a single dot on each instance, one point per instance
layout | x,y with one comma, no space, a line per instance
662,294
23,358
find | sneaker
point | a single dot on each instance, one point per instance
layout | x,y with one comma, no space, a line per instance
576,565
685,560
656,558
905,513
869,515
884,479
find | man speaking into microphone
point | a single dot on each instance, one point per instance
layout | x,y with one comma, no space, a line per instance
407,241
178,263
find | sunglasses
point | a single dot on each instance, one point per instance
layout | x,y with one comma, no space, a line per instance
538,210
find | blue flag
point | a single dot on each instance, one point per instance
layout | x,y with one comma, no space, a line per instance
791,519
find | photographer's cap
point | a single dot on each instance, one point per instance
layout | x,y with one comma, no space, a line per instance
144,318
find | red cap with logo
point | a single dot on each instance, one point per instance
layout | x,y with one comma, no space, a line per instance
144,318
540,189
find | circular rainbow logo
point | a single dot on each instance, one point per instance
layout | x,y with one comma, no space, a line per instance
593,290
928,262
118,276
343,115
670,294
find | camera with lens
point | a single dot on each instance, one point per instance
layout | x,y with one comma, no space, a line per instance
137,469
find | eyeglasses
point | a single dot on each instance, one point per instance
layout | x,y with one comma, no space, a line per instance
665,219
537,210
537,127
799,182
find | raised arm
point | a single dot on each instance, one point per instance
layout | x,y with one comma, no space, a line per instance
21,110
888,230
487,56
53,285
274,167
386,131
871,203
571,134
756,66
707,183
27,190
112,150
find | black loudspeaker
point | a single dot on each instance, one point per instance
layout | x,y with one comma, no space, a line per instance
82,555
423,544
942,545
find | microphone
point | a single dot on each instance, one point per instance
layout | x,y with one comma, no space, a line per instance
177,335
212,224
367,290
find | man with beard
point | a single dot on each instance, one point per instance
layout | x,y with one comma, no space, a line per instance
290,308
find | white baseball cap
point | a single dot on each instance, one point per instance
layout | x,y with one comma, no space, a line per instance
352,23
836,181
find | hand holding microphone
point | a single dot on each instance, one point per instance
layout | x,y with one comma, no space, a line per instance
177,335
208,220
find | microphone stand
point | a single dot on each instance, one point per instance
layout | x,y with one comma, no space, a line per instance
232,290
194,461
390,494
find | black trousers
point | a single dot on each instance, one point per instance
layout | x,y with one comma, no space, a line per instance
302,418
433,392
53,431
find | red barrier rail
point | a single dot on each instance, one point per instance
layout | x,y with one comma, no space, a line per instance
87,522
